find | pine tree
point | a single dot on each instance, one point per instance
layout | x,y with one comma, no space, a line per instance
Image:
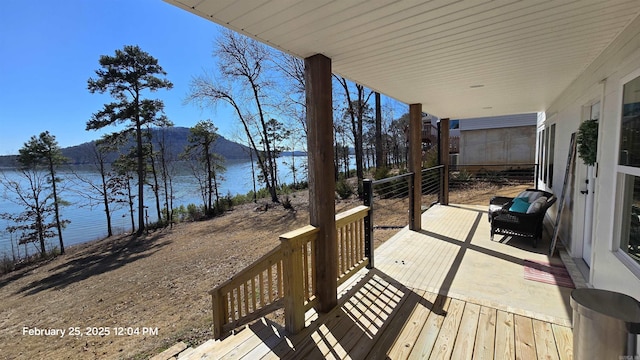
127,76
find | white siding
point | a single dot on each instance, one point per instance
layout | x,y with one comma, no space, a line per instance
496,122
601,80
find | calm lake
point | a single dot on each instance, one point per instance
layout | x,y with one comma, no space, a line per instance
89,222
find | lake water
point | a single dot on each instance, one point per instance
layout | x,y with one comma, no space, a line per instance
89,223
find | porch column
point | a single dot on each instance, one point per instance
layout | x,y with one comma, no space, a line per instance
322,184
415,166
444,159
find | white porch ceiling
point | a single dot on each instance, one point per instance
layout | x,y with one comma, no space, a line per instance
439,52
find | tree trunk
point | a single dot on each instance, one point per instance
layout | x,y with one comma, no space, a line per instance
56,205
210,176
253,177
378,140
165,181
156,186
140,170
105,198
40,227
133,223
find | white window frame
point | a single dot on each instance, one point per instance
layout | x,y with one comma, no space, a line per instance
618,191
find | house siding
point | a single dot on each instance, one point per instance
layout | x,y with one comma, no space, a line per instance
601,80
513,145
498,140
496,122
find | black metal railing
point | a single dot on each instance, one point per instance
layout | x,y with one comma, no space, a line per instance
390,198
432,180
510,174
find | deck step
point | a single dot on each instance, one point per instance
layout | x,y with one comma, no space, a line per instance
185,354
202,351
171,352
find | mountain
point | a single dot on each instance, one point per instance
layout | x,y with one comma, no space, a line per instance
176,139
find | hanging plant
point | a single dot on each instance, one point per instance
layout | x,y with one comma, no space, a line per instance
588,141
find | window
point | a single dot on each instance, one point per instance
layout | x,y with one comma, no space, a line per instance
629,170
630,127
550,154
540,157
546,149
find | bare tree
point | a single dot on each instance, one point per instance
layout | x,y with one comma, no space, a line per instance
31,192
357,110
109,190
242,64
206,164
293,102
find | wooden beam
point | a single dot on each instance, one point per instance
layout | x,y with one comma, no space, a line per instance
321,181
444,158
415,166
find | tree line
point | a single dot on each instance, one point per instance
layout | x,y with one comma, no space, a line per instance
260,84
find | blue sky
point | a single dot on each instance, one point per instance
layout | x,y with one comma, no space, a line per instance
48,50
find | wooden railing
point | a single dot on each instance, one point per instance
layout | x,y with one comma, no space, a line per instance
285,277
254,292
351,236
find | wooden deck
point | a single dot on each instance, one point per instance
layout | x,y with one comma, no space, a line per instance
447,292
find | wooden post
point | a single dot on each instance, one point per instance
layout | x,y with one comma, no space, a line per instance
322,184
293,284
444,158
415,166
219,314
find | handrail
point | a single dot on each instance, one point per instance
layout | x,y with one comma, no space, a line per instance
285,276
245,274
432,168
254,292
392,178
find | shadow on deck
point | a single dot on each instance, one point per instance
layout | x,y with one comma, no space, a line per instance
447,292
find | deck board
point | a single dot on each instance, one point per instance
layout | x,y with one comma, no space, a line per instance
486,334
386,321
525,341
564,341
465,340
505,338
405,338
545,343
443,347
447,292
428,336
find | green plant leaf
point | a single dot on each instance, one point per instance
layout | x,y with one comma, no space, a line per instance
588,141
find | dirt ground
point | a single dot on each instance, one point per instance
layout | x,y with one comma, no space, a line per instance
121,298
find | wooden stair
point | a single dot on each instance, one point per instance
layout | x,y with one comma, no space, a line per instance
235,345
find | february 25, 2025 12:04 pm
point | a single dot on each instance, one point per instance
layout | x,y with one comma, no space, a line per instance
79,331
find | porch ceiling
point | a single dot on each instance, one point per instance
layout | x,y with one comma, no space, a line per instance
459,59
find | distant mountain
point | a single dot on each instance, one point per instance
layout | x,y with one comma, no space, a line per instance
176,139
293,153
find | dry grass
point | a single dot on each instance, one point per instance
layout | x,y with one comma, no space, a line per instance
160,281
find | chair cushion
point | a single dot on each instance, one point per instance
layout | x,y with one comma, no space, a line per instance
520,205
530,196
494,208
537,205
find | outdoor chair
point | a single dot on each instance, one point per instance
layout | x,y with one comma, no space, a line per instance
520,216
